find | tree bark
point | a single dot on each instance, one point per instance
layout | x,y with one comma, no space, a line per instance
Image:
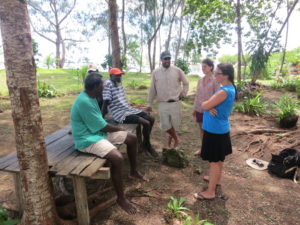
239,34
114,34
39,207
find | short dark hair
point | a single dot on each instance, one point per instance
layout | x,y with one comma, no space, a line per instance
92,80
209,62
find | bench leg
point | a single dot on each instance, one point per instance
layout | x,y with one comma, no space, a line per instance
80,193
139,137
19,194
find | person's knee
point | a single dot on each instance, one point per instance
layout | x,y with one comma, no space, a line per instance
115,157
131,139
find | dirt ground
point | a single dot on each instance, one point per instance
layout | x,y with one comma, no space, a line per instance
252,197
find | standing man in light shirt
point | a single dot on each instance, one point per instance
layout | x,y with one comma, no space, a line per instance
168,86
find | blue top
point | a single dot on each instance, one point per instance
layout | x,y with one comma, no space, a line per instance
219,124
86,121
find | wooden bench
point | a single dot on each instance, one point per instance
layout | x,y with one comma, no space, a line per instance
65,161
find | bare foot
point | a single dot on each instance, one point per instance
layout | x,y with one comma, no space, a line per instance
198,152
138,175
126,206
206,178
177,141
170,142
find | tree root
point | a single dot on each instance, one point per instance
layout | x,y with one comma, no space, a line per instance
251,143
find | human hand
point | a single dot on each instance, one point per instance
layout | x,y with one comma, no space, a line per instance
213,112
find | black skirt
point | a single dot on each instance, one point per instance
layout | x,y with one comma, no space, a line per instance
215,146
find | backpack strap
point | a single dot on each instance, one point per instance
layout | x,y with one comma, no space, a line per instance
296,175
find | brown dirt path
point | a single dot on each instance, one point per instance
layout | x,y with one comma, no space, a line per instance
253,197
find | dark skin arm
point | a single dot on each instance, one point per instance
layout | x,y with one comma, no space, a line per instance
111,128
104,107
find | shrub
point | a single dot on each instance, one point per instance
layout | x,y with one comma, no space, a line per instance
298,87
175,206
246,89
288,84
252,106
5,219
80,74
133,84
287,107
46,90
183,65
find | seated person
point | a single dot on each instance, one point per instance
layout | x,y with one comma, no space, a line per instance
115,100
93,135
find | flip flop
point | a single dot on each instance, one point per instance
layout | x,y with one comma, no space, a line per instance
207,180
201,198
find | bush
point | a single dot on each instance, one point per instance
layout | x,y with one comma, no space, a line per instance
183,65
287,107
5,219
252,106
80,74
288,84
46,90
298,87
246,89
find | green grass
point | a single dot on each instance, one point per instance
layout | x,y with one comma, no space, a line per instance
65,81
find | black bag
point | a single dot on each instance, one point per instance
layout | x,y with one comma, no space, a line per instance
286,164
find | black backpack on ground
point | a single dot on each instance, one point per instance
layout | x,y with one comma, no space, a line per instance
286,164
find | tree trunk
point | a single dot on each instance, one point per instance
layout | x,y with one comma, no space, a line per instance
123,31
153,36
239,34
114,34
180,32
141,47
39,207
286,39
171,26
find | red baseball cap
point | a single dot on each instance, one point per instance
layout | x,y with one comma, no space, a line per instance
115,71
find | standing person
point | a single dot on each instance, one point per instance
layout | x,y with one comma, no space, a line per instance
114,100
216,143
168,85
206,86
93,135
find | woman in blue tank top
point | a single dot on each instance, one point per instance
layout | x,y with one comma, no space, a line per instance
216,143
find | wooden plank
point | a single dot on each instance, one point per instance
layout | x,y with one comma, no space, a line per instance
61,164
83,216
93,168
10,161
14,167
54,159
68,168
62,144
103,174
19,194
82,165
57,134
8,157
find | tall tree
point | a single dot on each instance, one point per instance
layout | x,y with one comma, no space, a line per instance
180,32
39,207
114,33
174,8
151,8
50,18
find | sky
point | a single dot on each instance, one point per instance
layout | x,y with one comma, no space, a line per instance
96,50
